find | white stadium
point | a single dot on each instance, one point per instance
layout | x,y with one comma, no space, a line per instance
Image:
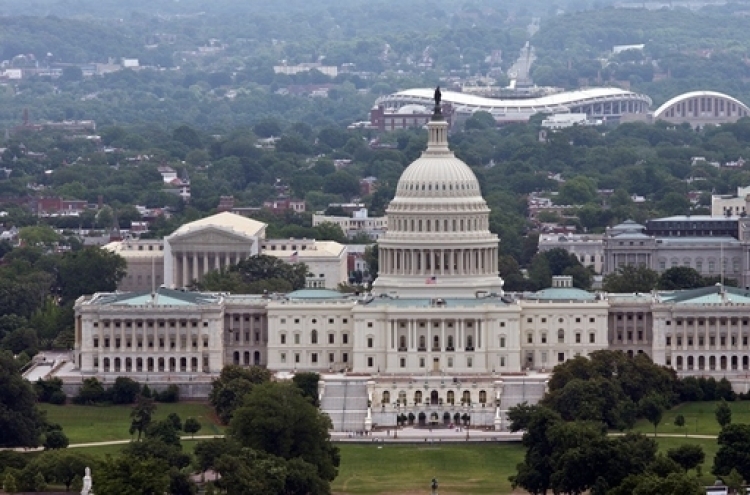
597,103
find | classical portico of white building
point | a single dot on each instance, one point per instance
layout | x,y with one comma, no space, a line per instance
208,244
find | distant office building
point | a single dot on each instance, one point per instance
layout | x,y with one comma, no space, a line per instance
359,223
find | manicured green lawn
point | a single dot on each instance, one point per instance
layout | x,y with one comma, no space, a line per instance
709,448
699,418
84,424
402,469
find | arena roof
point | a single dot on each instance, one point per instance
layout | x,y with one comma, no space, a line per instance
693,94
553,103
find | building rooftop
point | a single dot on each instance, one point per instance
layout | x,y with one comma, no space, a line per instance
716,294
162,297
562,294
227,220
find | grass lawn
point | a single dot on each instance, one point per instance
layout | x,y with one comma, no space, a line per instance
699,418
408,469
84,424
709,448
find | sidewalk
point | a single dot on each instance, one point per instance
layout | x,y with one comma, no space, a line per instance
436,435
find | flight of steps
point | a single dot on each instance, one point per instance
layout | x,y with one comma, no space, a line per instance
345,402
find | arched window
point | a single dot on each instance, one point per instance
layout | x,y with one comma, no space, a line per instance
150,364
236,357
470,341
560,336
690,362
679,362
402,397
701,363
712,362
139,364
482,397
256,358
436,342
451,397
314,337
450,342
161,362
402,343
194,364
422,344
106,364
183,364
466,397
246,358
128,364
172,364
386,397
418,397
117,364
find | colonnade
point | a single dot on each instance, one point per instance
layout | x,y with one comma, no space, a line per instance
435,335
192,266
438,262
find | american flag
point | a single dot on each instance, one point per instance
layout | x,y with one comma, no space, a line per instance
431,281
294,257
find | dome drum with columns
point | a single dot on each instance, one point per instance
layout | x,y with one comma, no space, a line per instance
438,240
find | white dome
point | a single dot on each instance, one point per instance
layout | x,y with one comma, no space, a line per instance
437,174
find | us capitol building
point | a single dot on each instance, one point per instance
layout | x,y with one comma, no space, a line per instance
436,340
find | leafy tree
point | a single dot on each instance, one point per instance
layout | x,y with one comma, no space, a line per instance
124,390
63,466
208,452
734,451
141,415
479,121
723,413
130,476
308,384
631,279
233,384
19,419
343,183
329,231
679,421
257,274
680,277
164,431
175,420
652,408
90,270
9,483
192,426
276,418
40,484
688,456
91,392
55,439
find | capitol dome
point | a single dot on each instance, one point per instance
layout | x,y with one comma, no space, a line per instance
438,239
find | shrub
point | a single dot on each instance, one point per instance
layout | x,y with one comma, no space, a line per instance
171,394
58,397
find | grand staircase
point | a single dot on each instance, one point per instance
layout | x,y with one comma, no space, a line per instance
345,402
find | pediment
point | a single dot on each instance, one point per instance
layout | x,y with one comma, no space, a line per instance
210,236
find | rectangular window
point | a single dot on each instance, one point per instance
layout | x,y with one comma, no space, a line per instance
345,338
369,342
296,358
330,338
560,357
578,338
469,362
502,341
96,342
345,357
544,338
450,362
669,340
369,362
421,362
314,357
592,338
282,357
331,357
502,361
402,362
529,339
283,338
592,320
296,338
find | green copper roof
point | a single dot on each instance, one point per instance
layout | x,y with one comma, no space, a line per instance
562,294
162,297
715,294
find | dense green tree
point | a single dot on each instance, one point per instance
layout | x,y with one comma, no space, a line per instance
55,439
91,392
88,271
689,456
141,415
131,476
233,384
192,426
63,466
19,419
257,274
734,451
124,391
723,413
277,419
307,382
631,279
680,277
652,408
